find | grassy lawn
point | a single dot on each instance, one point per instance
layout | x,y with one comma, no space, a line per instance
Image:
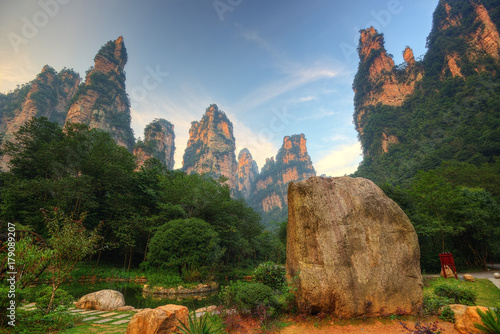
487,293
95,328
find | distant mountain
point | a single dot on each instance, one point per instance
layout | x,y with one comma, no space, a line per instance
211,150
211,147
247,173
271,185
445,107
102,101
159,143
46,96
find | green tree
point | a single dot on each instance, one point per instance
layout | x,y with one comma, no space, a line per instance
185,244
70,242
436,200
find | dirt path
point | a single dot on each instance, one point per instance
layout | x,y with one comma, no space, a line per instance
370,326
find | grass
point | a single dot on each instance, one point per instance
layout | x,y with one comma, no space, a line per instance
488,294
101,329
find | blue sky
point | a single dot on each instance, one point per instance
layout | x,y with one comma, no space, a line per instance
276,68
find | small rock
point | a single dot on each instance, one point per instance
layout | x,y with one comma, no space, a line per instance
468,278
496,275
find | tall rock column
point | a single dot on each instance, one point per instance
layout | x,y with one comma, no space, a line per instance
159,143
247,172
102,101
48,96
353,250
211,147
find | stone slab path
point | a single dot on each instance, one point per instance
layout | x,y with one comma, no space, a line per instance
93,316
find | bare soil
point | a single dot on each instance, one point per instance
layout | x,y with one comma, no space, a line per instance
327,326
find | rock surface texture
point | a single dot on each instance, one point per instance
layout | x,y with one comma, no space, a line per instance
292,163
159,143
353,249
103,300
161,320
211,147
466,316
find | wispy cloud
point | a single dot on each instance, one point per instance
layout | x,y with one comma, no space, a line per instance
294,75
340,161
317,115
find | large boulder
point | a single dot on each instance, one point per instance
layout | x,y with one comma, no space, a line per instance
464,321
353,250
161,320
103,300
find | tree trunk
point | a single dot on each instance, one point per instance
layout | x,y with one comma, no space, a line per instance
130,258
146,249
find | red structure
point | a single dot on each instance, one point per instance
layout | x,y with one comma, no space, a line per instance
447,260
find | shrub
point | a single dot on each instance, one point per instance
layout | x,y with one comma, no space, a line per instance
185,244
460,294
271,274
227,293
491,322
433,303
447,314
250,295
61,299
36,322
201,325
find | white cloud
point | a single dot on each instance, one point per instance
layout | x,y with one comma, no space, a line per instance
340,161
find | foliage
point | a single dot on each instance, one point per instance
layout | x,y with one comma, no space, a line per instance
32,257
491,322
201,325
250,295
71,242
447,314
37,322
163,279
272,275
61,299
459,294
185,244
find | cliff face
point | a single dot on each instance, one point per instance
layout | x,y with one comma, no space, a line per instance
443,107
247,172
159,143
292,163
46,96
102,101
378,80
211,147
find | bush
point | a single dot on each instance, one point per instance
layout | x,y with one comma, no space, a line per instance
250,295
433,303
272,275
447,314
460,294
165,280
185,244
61,299
36,322
227,293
